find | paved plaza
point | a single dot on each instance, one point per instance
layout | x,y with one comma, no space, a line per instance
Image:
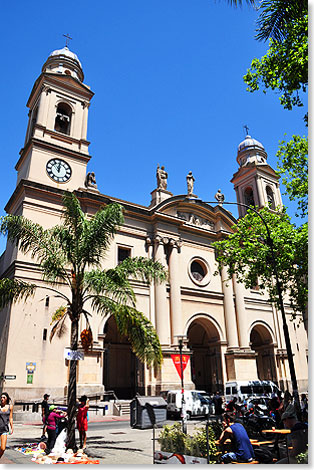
111,441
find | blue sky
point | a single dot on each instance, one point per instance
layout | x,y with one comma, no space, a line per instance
167,77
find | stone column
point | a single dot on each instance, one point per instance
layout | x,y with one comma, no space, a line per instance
260,193
42,108
230,316
161,301
242,319
152,310
84,120
175,292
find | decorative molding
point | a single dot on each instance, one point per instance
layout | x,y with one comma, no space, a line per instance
193,219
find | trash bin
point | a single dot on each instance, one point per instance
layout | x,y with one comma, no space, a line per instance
147,411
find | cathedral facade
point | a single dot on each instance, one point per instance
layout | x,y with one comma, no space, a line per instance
229,332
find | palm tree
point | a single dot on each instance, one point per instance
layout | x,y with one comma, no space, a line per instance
70,255
276,15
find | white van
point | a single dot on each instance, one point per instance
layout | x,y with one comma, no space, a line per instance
197,403
248,388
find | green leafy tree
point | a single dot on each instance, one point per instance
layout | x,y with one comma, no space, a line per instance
285,66
246,254
70,256
293,166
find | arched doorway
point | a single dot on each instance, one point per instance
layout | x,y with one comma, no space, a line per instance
122,372
262,343
204,342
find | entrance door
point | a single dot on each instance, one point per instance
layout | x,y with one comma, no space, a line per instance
123,372
206,358
262,344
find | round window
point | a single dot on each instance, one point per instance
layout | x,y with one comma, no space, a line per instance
199,271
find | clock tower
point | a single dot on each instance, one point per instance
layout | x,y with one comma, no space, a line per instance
55,151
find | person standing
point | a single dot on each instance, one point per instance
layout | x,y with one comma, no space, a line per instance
54,414
6,419
44,413
81,419
218,404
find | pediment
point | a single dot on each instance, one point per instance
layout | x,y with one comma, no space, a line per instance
197,214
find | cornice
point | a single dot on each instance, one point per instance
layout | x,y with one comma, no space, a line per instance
36,143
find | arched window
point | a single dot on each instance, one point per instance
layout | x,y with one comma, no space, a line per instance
249,197
270,197
63,118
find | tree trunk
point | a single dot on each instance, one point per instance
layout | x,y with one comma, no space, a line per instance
71,444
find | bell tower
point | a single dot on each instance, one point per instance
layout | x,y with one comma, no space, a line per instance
55,151
255,182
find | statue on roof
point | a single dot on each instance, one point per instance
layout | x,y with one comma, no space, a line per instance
190,182
162,176
219,197
90,180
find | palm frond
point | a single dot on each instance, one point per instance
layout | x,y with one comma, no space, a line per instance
12,290
99,232
58,318
276,15
140,332
111,283
142,268
41,244
73,216
236,3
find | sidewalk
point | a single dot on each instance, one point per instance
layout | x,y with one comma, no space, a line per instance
118,445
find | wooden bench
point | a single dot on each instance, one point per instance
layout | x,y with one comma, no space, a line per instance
261,443
254,462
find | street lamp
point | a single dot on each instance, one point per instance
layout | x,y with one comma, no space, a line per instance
270,243
181,338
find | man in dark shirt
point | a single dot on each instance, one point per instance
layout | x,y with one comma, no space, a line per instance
243,450
44,413
218,403
298,439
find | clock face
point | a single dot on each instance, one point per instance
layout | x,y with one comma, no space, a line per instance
58,170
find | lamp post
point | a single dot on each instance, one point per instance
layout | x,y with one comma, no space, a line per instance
270,243
183,410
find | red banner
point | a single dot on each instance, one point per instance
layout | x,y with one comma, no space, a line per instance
176,361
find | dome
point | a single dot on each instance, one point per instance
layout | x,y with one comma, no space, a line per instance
66,52
64,61
251,152
249,142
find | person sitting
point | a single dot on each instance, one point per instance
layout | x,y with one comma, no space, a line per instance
243,450
298,439
232,405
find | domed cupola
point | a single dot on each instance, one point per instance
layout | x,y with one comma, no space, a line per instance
64,61
251,152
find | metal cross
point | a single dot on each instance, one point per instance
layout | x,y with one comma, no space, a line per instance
67,39
247,129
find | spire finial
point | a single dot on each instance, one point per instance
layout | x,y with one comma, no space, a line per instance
247,129
68,38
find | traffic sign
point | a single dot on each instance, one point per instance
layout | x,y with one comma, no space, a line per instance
10,377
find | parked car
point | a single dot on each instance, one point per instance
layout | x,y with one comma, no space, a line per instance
197,403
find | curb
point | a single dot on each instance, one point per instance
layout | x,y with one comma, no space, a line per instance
103,419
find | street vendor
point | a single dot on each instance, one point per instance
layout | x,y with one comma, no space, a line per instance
53,416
